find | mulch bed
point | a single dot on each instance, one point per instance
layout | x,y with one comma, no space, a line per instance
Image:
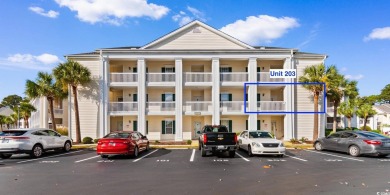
169,143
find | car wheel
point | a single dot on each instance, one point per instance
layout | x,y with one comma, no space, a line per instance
281,155
203,152
232,154
199,147
37,151
67,146
104,156
318,146
5,156
354,151
136,152
250,151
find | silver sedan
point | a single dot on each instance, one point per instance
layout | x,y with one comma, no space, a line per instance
31,141
355,143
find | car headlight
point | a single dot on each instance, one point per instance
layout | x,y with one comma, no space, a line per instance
281,144
256,144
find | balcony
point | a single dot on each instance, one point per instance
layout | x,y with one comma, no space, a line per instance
123,108
233,78
160,108
264,77
232,107
160,79
197,78
123,79
271,106
198,107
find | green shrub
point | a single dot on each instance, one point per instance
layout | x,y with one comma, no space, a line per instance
62,130
303,139
294,141
367,128
156,142
189,142
87,140
95,141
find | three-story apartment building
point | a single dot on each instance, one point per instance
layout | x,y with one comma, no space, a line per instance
168,89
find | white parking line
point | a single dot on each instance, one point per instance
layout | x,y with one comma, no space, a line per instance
49,156
242,157
296,158
86,159
335,155
144,156
192,155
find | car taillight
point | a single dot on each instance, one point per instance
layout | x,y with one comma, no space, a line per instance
235,138
125,142
373,142
204,138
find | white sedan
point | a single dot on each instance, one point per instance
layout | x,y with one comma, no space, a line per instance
260,142
31,141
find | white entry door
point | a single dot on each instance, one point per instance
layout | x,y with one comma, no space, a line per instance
197,128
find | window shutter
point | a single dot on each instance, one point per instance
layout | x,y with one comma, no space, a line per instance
246,125
163,69
258,125
163,127
147,128
135,97
230,126
174,127
230,69
258,69
163,97
173,69
173,97
219,122
147,70
246,69
135,126
147,97
230,97
135,69
258,97
220,97
246,97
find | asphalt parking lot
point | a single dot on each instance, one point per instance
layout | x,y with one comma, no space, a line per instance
184,171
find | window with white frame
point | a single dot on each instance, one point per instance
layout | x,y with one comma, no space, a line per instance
168,127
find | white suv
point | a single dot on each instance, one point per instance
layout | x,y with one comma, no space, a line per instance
31,141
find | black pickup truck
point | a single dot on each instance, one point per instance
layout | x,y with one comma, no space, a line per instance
216,138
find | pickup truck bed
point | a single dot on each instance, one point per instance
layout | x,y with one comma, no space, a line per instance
216,138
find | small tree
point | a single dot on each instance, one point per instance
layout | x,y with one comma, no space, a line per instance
347,109
365,111
25,112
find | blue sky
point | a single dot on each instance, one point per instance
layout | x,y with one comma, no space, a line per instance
36,34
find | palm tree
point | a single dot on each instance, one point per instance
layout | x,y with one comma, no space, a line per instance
365,111
2,121
315,74
73,74
8,121
25,112
347,109
45,86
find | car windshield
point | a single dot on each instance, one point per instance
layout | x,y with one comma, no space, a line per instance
258,134
371,135
117,135
12,133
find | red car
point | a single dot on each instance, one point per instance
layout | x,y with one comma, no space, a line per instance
122,143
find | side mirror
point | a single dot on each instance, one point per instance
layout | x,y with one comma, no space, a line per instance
198,132
144,137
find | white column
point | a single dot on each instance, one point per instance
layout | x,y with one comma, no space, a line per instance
289,128
215,91
45,113
179,99
102,76
141,90
252,93
106,101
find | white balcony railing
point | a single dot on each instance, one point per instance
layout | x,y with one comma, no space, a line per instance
233,76
123,106
264,77
58,111
160,106
272,106
198,106
160,77
197,77
123,77
232,106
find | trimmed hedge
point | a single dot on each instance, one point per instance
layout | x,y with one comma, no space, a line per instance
87,140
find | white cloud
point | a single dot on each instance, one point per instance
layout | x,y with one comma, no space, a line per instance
29,61
378,33
114,11
40,11
260,29
354,77
183,18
